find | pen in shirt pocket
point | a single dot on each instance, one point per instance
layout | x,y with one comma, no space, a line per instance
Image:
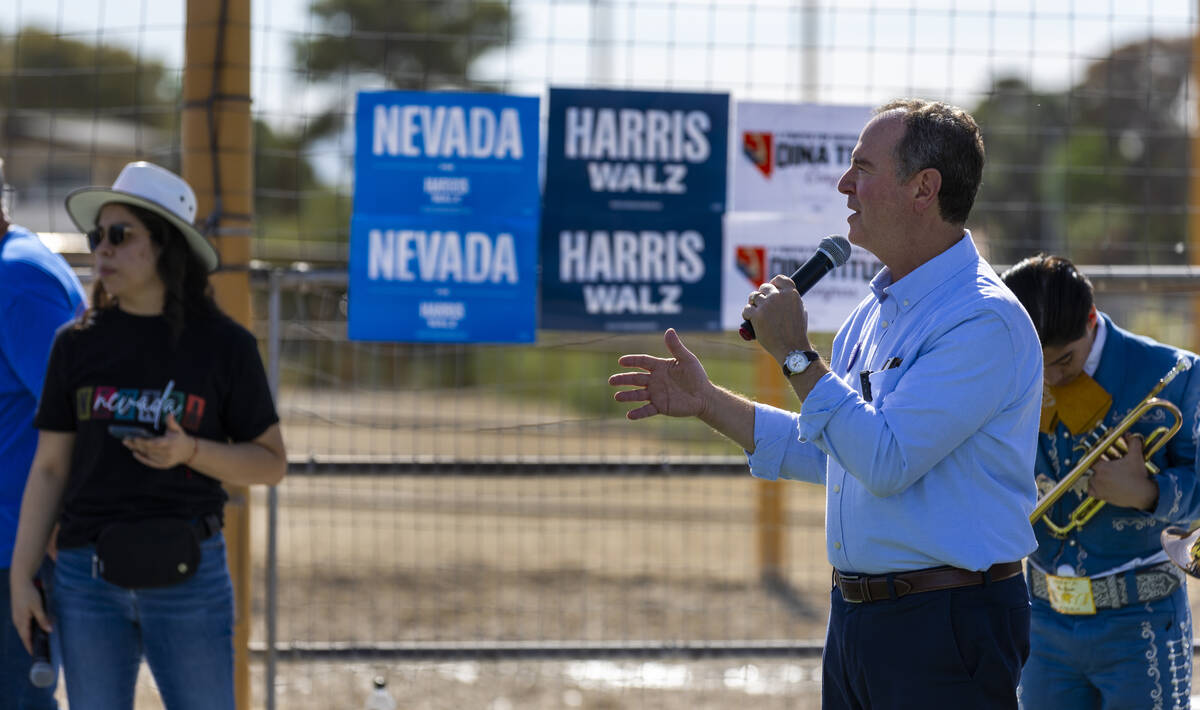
865,376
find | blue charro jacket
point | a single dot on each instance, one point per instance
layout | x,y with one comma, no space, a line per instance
1130,366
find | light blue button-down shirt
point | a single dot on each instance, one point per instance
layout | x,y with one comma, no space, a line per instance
935,467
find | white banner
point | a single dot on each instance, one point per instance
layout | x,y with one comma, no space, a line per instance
759,246
788,157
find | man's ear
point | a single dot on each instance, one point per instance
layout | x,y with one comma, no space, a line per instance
926,185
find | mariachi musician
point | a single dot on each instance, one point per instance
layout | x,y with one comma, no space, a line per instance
1111,626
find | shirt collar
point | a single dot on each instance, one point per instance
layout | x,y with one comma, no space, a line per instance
918,283
1093,359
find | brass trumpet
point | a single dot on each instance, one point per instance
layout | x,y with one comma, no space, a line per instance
1183,548
1107,446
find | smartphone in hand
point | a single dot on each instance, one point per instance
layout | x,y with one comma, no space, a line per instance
121,431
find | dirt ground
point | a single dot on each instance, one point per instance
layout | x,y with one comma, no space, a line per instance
390,560
387,560
406,559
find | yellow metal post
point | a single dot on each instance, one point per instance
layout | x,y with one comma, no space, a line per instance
218,163
1194,185
770,508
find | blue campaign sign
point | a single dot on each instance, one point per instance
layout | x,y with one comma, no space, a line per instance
443,279
622,272
645,151
420,152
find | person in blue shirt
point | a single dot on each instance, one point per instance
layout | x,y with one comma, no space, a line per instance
922,424
38,293
1111,625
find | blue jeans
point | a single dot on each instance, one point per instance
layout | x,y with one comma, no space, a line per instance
185,633
1133,658
16,692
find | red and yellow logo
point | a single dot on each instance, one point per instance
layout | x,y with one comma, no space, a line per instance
752,262
757,147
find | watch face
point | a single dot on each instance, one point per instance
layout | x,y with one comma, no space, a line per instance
798,361
795,362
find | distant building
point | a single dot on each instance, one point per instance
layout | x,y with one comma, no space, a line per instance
49,154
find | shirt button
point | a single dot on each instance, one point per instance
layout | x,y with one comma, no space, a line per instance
837,488
837,545
1067,462
1071,543
884,324
1066,434
906,301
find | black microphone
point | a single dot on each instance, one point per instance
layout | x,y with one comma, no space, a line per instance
41,673
832,252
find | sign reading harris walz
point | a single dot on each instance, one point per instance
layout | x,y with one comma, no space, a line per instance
631,226
443,240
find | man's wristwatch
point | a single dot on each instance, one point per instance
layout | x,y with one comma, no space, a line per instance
797,361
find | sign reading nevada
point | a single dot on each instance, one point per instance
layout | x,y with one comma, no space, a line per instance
446,153
443,242
443,279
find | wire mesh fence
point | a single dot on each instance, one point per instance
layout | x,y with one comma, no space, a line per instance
479,523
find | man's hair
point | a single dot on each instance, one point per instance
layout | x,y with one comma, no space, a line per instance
1056,295
947,139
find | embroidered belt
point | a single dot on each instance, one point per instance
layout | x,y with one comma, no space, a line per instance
1149,584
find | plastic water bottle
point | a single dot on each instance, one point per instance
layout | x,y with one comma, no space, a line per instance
380,698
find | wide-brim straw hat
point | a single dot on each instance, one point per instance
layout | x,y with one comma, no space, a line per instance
150,187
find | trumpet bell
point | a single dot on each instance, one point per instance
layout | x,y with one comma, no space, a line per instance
1181,547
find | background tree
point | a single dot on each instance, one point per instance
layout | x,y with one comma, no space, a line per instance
1099,172
398,45
282,171
44,71
1021,128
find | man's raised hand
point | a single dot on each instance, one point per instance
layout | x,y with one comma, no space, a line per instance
675,387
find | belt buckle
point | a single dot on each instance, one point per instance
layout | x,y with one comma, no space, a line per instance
1070,595
859,580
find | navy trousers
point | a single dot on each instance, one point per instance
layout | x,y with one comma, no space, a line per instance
957,648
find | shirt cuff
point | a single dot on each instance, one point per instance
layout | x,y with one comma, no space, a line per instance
822,402
773,428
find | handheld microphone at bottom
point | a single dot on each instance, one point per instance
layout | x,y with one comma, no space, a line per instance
832,252
41,673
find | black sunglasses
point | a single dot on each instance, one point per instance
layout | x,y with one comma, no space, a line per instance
116,235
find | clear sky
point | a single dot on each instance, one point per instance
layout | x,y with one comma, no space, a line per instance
868,50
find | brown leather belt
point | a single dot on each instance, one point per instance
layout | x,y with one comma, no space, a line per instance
859,588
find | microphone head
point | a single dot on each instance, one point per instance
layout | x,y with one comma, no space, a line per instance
837,248
42,675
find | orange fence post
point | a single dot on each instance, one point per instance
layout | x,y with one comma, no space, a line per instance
217,161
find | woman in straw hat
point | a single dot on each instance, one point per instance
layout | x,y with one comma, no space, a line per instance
152,399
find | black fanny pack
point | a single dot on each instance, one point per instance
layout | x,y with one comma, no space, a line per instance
158,552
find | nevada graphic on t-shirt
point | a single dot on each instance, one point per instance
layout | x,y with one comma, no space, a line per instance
148,406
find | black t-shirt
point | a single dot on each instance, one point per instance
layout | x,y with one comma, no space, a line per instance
122,369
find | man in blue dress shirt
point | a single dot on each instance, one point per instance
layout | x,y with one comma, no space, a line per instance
1111,626
922,425
38,293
